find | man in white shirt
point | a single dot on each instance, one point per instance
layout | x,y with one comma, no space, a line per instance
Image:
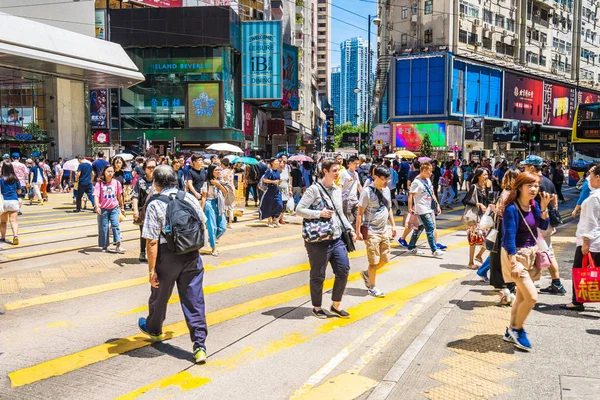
349,182
425,206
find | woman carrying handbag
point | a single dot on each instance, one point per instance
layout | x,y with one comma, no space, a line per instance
323,228
476,202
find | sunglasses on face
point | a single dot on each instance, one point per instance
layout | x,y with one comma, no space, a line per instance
150,168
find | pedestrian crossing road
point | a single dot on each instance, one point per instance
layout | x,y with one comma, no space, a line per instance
68,315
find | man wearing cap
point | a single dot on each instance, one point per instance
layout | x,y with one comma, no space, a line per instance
5,158
533,164
21,171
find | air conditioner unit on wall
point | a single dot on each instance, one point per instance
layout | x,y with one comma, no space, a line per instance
486,27
476,22
478,44
553,70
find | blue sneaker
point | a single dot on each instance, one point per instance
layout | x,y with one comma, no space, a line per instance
144,330
403,242
441,246
521,342
507,336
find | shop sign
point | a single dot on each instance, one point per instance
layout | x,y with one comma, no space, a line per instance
559,105
204,107
289,101
522,98
474,129
101,137
160,3
584,97
261,60
410,136
192,65
330,123
99,108
383,132
100,23
276,127
248,125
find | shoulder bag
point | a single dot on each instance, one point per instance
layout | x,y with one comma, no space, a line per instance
470,216
318,229
346,233
434,204
364,229
491,239
142,210
542,257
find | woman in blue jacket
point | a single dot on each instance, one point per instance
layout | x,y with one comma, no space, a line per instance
521,219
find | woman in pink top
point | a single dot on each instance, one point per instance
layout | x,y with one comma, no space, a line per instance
108,200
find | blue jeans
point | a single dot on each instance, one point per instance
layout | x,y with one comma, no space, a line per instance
216,224
485,267
425,222
108,216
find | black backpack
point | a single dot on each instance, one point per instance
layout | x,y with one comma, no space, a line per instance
254,173
184,230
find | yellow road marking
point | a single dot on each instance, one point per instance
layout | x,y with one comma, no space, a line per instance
344,386
370,307
72,362
184,380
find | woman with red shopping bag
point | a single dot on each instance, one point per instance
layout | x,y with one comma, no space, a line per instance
588,236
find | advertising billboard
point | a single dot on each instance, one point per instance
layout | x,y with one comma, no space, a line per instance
584,97
522,98
191,65
100,24
204,107
509,132
383,132
261,60
474,129
248,125
99,108
160,3
289,101
559,105
410,136
330,123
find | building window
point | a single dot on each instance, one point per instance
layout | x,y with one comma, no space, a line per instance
470,10
510,24
415,9
429,36
487,16
404,40
543,38
487,43
499,21
404,12
428,7
462,36
542,61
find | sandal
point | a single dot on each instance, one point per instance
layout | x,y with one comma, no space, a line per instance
479,259
472,266
572,307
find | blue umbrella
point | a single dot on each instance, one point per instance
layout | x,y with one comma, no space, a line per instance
246,160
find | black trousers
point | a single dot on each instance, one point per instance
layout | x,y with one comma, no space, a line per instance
142,241
577,264
187,272
558,187
319,255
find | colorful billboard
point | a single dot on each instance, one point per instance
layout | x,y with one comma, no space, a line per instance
522,98
584,97
261,60
289,101
559,105
410,136
204,107
160,3
99,108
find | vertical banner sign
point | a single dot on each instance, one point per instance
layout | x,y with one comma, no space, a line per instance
248,125
289,100
330,118
522,98
98,108
100,24
261,60
559,105
474,129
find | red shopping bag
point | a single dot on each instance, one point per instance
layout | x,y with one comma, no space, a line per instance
587,281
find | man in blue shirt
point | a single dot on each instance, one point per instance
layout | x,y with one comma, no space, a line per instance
99,165
85,177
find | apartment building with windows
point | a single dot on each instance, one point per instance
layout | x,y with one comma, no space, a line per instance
323,38
453,60
354,74
336,76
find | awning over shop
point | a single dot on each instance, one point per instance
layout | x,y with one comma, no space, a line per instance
39,48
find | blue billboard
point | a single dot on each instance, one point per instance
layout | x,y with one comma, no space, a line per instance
483,90
290,99
261,60
420,86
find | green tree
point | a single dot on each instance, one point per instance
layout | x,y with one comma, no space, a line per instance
426,147
340,130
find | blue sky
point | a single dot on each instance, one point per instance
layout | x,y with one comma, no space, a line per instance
341,31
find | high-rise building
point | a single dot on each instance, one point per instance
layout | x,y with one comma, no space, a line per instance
454,60
336,76
323,35
354,74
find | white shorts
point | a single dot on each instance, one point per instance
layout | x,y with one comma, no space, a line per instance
11,205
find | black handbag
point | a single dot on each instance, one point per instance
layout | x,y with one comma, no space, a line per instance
346,233
555,218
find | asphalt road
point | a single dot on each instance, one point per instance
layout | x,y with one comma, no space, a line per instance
68,315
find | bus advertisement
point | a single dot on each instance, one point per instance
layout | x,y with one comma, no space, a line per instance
585,140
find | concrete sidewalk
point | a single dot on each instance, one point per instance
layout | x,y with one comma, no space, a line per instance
461,355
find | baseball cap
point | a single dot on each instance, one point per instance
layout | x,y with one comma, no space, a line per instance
533,160
6,156
16,155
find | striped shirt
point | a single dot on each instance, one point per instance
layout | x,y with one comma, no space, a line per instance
156,214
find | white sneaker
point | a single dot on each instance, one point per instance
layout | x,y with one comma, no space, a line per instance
417,252
438,253
376,292
538,284
119,249
505,296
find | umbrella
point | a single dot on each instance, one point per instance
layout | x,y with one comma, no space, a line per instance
73,164
125,156
390,155
247,160
406,154
301,158
231,157
424,159
225,147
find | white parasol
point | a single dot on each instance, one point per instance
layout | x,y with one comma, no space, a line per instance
125,156
225,147
73,164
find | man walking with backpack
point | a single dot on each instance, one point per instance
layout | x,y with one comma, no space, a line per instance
174,232
252,176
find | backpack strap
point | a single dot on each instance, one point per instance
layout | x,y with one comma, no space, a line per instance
181,195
